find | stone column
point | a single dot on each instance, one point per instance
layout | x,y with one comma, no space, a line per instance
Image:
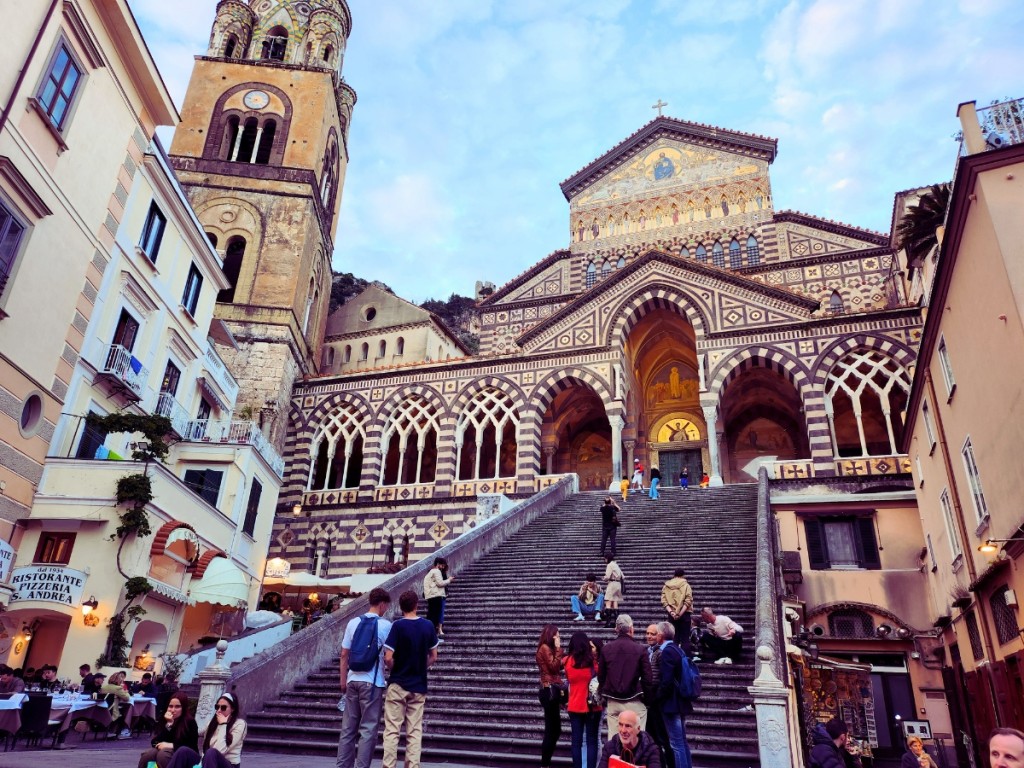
549,458
711,420
630,444
771,702
213,681
617,424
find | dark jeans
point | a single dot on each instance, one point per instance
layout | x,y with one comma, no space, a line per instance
552,727
683,625
608,533
675,726
185,757
656,727
435,611
717,647
584,724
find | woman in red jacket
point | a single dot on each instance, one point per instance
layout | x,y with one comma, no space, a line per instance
585,719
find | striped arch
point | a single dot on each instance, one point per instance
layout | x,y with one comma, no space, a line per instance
898,351
296,460
519,399
546,390
634,308
428,393
826,608
776,360
321,411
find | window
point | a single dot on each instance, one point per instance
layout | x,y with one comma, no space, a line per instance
947,516
621,263
126,331
11,231
205,483
364,351
92,438
153,232
684,252
382,348
842,542
702,253
193,286
718,255
753,252
229,48
348,353
606,269
400,346
275,45
977,495
735,259
929,425
591,274
850,623
947,368
920,472
58,90
865,397
931,552
252,508
54,548
172,374
233,256
1003,615
204,409
971,622
835,304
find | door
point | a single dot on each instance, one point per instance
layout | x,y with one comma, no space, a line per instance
670,462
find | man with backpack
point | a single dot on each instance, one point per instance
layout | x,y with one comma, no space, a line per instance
362,681
678,686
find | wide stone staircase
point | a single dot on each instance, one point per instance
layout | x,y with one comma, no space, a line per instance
482,707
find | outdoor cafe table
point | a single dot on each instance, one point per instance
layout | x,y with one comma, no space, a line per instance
65,709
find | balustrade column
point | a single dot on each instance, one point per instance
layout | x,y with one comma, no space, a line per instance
617,424
711,421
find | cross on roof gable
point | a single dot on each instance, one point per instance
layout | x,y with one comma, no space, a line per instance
700,134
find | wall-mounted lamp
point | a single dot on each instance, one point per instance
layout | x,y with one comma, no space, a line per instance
990,544
26,630
297,509
883,630
90,605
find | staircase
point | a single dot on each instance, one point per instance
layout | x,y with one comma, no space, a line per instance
482,707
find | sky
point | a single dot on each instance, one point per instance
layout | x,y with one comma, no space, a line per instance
471,112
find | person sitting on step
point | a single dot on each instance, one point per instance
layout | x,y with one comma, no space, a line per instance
588,600
722,638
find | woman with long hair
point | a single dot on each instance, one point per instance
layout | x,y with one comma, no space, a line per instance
434,584
222,744
549,662
584,717
613,577
177,730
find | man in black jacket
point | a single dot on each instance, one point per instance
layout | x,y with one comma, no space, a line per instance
609,524
631,744
828,741
624,675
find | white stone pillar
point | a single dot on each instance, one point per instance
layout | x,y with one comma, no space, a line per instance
617,423
711,421
213,681
771,702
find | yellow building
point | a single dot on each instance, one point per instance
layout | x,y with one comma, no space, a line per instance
83,100
965,424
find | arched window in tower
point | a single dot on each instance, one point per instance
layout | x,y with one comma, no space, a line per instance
835,303
310,301
230,47
382,348
233,257
245,145
328,52
275,44
606,269
591,274
232,138
364,351
328,175
718,255
212,238
753,252
865,399
485,437
265,138
701,253
400,346
621,263
684,252
735,257
409,444
336,452
348,354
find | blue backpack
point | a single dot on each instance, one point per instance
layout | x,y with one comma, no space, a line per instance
688,686
365,651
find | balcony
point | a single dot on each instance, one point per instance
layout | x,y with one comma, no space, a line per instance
167,406
235,432
1002,125
220,375
125,371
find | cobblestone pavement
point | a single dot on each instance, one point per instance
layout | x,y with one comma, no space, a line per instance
125,754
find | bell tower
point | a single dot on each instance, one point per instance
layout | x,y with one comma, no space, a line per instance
261,151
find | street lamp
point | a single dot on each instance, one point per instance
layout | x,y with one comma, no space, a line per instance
90,605
990,544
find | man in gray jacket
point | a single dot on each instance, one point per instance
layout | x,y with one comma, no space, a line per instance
624,675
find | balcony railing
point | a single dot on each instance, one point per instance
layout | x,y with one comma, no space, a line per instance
220,374
236,432
167,406
1002,124
119,364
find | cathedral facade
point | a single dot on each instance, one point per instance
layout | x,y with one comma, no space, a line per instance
687,324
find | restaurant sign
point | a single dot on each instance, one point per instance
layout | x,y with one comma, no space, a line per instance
49,583
6,560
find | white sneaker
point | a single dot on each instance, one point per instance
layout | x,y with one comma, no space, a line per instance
579,617
597,617
125,734
723,660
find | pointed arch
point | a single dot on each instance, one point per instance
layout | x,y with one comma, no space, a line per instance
633,308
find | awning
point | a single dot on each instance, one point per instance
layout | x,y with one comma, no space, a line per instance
222,583
172,531
299,579
213,392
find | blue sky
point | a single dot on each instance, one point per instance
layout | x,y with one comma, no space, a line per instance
471,112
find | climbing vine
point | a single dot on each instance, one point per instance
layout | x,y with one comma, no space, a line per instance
134,492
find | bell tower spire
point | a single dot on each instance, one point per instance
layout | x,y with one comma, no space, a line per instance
261,151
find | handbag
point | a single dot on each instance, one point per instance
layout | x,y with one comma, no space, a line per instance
593,694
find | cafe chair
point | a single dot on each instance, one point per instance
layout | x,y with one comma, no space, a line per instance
36,723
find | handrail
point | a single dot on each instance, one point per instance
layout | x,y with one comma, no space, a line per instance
767,633
264,676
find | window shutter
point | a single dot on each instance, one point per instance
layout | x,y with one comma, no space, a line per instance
867,545
816,551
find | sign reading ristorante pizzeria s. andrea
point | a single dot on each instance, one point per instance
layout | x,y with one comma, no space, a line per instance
50,583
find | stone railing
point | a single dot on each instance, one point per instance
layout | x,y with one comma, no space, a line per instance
220,373
769,690
265,676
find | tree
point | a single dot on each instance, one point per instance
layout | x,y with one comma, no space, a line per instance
916,231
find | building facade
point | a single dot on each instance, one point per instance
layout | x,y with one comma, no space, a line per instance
262,150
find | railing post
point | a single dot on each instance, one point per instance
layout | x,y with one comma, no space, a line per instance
771,696
213,680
